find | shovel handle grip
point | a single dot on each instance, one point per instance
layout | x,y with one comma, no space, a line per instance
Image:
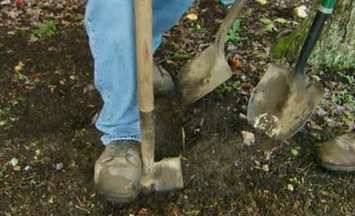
322,15
327,6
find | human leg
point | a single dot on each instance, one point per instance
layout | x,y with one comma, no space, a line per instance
110,29
166,14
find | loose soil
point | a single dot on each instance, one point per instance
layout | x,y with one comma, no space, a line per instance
47,107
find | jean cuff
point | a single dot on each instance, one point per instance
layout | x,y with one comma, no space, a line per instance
107,139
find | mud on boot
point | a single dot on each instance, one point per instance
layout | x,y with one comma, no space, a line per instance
118,171
339,154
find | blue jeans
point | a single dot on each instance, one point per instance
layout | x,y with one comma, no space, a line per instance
110,28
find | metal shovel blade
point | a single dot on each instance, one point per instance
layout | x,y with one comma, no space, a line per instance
282,102
165,175
210,69
203,74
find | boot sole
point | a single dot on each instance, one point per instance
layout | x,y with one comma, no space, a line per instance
119,199
338,168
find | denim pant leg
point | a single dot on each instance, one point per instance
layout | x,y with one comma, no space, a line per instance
110,28
166,14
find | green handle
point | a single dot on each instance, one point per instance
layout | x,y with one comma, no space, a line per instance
327,6
322,15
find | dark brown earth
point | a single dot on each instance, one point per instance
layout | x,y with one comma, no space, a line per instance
46,111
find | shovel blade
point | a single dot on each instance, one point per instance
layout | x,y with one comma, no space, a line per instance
282,102
210,69
165,176
203,74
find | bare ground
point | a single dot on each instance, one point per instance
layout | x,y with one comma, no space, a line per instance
48,145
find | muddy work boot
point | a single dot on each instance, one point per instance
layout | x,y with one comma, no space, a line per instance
339,154
118,171
162,80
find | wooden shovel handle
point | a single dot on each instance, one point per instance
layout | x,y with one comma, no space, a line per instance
234,13
144,57
144,62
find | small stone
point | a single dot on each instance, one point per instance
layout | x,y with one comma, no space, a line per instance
244,78
27,168
290,187
17,168
339,109
14,162
294,152
301,11
331,122
38,151
321,112
248,138
5,2
236,163
51,201
3,123
257,163
59,166
316,78
242,116
262,2
327,93
266,168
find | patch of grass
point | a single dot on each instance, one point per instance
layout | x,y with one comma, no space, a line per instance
233,35
343,97
228,87
348,79
46,29
6,117
271,25
295,181
197,28
179,55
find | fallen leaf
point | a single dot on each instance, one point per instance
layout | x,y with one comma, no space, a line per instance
262,2
19,67
281,20
192,16
248,138
234,64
